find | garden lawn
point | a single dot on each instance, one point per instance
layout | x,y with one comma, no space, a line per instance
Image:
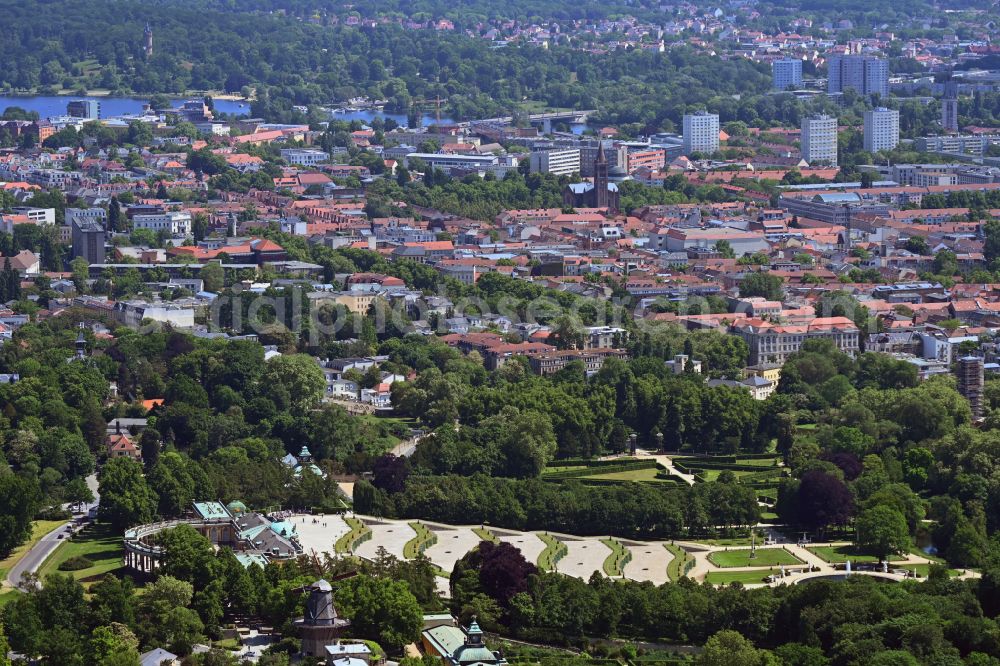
423,540
745,577
554,551
646,474
675,568
99,543
616,561
837,554
765,557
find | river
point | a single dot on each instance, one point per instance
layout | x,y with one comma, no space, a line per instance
48,106
55,105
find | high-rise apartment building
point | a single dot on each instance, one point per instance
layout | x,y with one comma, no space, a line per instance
701,132
819,140
881,129
786,73
561,162
84,108
88,240
949,107
866,75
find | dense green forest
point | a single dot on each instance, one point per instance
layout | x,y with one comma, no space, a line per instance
292,62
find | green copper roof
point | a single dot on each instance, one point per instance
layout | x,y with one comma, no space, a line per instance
211,511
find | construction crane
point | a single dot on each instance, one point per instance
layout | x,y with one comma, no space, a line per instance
437,106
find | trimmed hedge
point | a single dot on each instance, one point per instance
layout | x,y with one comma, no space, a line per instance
601,469
78,563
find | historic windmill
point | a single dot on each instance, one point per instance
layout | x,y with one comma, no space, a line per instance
321,625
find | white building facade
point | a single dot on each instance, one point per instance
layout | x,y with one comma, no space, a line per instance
175,223
819,140
881,129
786,74
701,132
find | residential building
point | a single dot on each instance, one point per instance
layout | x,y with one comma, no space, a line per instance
866,75
95,214
304,156
88,240
681,362
701,132
358,302
970,383
602,337
25,262
881,129
41,216
121,445
175,223
966,145
89,109
652,159
562,162
786,73
760,388
819,140
934,179
774,343
769,371
133,313
548,363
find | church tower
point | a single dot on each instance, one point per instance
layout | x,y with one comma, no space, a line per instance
81,344
148,36
601,178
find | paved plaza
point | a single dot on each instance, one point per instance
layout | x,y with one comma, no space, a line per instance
648,562
583,557
451,546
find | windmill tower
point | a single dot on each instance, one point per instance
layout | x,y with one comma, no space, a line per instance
321,624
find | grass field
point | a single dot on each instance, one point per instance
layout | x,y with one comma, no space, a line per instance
726,577
99,543
554,551
39,529
843,553
347,543
424,539
675,568
485,534
615,563
730,542
765,557
922,569
648,474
